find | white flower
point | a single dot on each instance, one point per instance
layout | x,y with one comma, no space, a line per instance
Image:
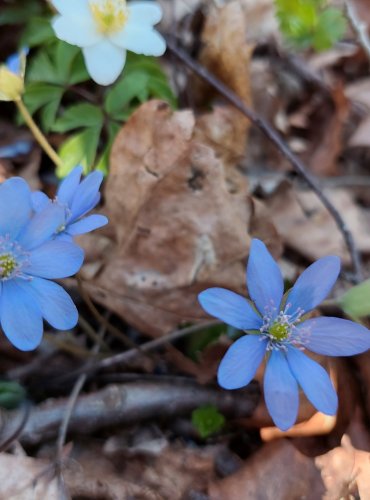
106,29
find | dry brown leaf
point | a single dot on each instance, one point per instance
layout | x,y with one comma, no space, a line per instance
345,470
26,478
277,472
225,29
181,212
168,475
308,228
359,91
329,135
361,136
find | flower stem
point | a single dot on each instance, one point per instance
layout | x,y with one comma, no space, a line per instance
39,136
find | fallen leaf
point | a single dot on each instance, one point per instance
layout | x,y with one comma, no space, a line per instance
307,227
181,213
278,471
345,470
26,478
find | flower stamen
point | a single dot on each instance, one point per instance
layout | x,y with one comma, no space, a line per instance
109,15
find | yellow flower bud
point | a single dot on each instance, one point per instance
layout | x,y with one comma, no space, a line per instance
12,77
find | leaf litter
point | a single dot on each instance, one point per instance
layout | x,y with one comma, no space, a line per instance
187,191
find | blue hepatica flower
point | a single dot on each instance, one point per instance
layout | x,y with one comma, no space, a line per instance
77,199
279,331
29,259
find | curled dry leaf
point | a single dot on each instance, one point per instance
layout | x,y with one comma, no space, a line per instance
26,478
181,212
345,470
307,227
225,29
278,471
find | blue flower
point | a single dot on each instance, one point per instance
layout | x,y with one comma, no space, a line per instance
29,259
77,199
279,331
16,62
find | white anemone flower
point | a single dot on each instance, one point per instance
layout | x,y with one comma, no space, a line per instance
106,29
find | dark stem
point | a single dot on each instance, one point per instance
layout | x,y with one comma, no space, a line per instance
274,137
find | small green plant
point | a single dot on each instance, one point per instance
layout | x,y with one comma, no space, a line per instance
310,23
207,420
11,395
60,95
356,301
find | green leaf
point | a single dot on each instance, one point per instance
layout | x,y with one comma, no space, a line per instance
127,89
42,69
136,85
78,72
49,112
79,115
309,23
207,420
60,63
356,301
331,27
38,32
11,394
103,162
160,89
79,149
38,94
19,14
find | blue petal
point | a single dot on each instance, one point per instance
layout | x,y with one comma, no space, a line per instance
334,336
39,201
231,308
15,206
87,224
42,226
21,318
55,304
241,361
13,63
281,391
68,186
314,284
264,280
55,259
314,380
86,196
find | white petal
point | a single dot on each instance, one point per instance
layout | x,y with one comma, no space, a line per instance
76,31
72,8
104,62
140,39
145,12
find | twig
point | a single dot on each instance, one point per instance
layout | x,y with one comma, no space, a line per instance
125,357
132,403
73,400
4,445
358,27
274,137
99,317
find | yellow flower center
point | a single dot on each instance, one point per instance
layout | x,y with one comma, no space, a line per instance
279,331
7,265
109,15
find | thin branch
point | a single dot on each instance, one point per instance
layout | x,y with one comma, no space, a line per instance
127,356
358,27
120,404
274,137
72,400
